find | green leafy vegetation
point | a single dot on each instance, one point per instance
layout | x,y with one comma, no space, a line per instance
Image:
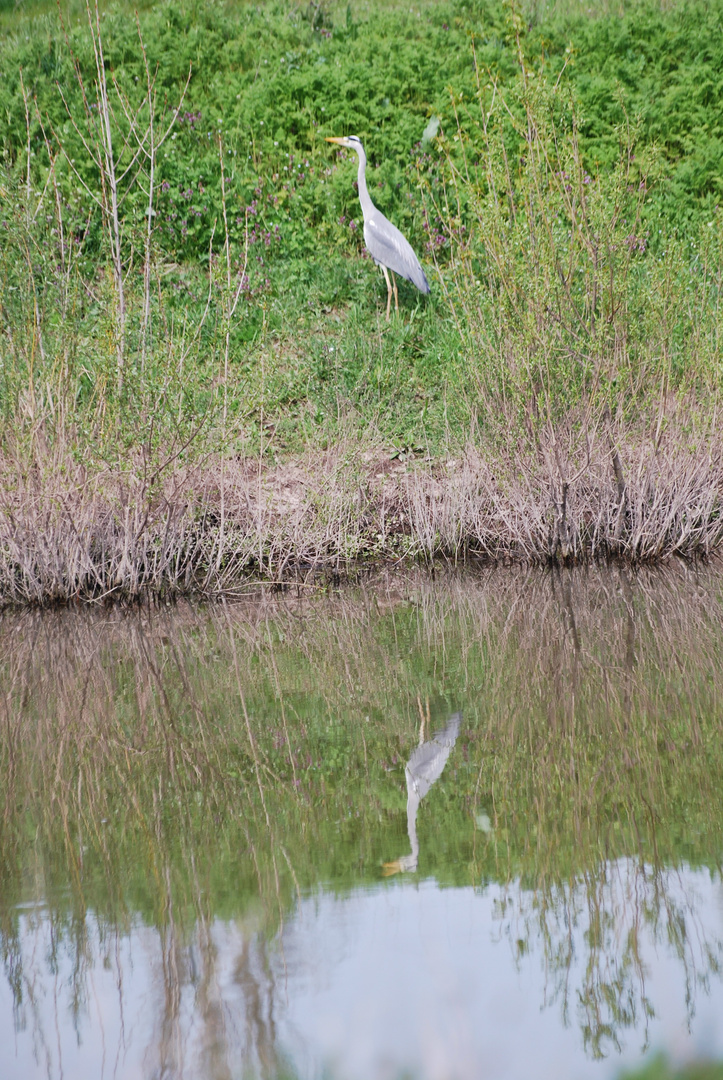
182,269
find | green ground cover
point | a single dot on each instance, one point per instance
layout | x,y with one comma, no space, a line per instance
533,302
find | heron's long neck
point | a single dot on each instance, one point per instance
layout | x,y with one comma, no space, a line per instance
413,802
364,198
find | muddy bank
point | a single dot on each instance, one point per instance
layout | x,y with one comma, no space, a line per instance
68,533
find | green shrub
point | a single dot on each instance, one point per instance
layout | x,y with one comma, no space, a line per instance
639,100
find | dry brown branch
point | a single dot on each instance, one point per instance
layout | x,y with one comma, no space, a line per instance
67,534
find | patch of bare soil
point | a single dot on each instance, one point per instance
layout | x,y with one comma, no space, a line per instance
67,534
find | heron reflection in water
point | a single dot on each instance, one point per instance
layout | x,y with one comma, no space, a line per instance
423,768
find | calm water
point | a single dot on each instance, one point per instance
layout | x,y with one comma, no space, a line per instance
463,828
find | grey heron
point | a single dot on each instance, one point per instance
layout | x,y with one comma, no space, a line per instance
423,768
384,242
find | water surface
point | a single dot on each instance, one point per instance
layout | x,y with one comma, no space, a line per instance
436,829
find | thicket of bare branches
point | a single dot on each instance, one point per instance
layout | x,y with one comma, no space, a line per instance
207,529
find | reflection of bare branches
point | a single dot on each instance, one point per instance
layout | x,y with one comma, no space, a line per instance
168,1044
618,910
254,975
142,749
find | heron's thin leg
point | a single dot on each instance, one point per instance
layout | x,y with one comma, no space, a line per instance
396,294
422,719
389,290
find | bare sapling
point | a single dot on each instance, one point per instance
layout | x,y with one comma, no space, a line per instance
36,337
231,296
97,141
149,140
67,247
540,279
121,139
233,289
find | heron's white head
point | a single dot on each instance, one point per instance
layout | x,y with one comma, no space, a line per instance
352,142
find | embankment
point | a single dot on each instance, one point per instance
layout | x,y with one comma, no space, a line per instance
208,529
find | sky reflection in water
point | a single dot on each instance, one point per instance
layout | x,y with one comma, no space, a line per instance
451,830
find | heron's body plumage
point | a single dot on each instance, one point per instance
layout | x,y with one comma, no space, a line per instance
388,247
385,243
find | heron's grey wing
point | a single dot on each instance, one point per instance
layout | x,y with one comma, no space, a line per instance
451,731
427,762
426,765
388,247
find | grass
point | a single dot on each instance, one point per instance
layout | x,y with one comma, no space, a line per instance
184,296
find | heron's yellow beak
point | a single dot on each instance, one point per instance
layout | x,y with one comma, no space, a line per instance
341,142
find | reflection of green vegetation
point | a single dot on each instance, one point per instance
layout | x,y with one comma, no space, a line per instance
189,765
594,746
659,1068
